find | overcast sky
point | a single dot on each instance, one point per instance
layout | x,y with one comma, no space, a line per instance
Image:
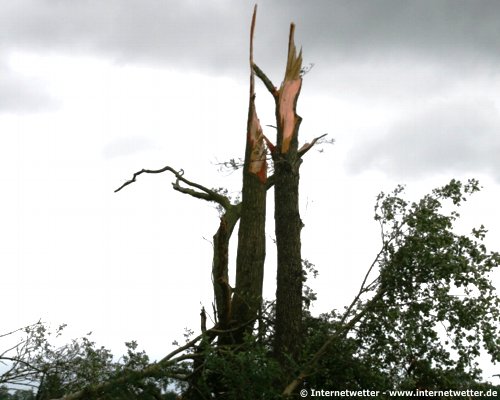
92,91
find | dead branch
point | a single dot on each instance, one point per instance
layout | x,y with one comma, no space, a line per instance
266,81
203,316
151,171
307,146
202,193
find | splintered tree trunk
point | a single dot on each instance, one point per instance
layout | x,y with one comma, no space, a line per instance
251,251
288,329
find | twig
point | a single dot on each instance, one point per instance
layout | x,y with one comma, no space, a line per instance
178,174
20,329
16,346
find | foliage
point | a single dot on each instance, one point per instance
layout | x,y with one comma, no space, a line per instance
246,372
308,295
28,358
437,306
5,394
54,371
342,367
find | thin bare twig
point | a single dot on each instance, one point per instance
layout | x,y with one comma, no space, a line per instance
20,329
17,360
16,346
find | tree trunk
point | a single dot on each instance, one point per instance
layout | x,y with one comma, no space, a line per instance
251,235
222,289
288,329
289,274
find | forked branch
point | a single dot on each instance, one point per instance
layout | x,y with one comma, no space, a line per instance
202,192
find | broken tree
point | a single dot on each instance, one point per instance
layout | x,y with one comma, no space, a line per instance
288,224
237,309
251,251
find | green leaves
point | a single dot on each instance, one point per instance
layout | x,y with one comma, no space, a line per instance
436,284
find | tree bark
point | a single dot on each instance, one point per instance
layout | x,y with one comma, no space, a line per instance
251,251
288,225
222,289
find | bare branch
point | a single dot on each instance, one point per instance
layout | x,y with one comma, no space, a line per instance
189,344
150,171
306,147
265,80
192,342
16,346
270,182
204,193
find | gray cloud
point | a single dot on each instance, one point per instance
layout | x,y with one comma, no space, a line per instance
179,33
459,136
387,50
383,28
213,36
